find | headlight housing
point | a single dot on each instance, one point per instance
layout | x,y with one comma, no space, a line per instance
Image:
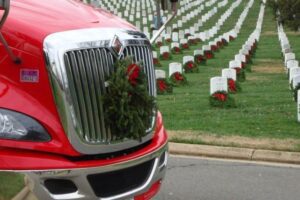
17,126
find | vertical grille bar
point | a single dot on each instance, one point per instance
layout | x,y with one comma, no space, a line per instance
87,71
87,96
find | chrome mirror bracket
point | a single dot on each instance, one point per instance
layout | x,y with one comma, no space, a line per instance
5,5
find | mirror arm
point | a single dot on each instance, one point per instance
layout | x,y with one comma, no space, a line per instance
162,28
15,59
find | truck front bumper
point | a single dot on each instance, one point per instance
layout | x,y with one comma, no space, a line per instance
139,178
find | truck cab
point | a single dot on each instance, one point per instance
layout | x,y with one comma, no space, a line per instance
55,57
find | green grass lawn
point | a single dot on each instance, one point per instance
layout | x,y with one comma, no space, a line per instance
10,184
265,106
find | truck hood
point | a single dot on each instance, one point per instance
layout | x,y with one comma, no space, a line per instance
30,21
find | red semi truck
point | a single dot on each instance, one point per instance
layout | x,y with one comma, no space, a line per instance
51,53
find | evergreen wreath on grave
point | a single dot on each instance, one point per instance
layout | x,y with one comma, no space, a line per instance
192,41
178,79
158,44
165,56
220,44
191,67
199,59
198,40
163,86
295,92
209,54
127,102
176,50
214,48
222,99
184,46
233,86
224,41
168,40
248,68
240,74
156,62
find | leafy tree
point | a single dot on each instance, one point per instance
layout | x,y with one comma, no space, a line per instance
287,12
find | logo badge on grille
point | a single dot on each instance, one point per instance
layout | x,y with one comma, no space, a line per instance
117,45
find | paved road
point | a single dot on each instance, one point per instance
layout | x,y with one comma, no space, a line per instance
202,179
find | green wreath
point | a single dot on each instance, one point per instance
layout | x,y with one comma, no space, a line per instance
178,79
221,99
128,105
191,67
163,86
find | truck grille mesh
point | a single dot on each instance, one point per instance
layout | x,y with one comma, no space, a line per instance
86,72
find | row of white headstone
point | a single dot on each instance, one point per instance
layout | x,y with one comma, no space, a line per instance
178,24
220,83
234,32
217,83
241,58
177,67
142,12
291,64
205,35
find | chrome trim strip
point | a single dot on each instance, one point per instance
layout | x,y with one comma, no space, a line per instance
78,176
74,48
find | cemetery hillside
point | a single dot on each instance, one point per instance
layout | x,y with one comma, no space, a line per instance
225,69
227,73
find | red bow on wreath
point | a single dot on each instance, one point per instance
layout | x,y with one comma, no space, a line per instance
220,96
133,72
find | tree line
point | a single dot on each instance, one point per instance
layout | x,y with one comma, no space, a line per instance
287,12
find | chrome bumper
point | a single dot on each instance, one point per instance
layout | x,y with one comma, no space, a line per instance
84,189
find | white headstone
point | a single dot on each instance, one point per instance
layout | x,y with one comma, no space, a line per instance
179,23
159,40
206,48
234,64
198,52
167,36
181,34
131,18
175,67
289,56
164,49
183,41
175,44
296,81
218,84
292,63
240,57
154,54
298,107
160,74
145,21
187,59
175,37
294,71
229,74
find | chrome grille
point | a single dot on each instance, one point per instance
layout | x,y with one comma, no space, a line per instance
87,70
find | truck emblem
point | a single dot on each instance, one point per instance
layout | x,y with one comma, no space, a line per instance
29,75
117,45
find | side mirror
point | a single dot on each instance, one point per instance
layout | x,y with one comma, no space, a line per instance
4,10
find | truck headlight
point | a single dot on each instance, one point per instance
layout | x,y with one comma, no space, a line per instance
17,126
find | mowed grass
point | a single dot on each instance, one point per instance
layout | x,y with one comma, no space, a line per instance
10,185
265,106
